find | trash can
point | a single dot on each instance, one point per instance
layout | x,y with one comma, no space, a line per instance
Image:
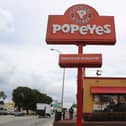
58,116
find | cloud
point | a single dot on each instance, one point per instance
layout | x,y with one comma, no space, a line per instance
7,27
6,21
36,68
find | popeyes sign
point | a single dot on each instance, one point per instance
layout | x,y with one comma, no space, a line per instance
81,24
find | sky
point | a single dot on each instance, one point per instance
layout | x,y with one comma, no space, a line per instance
26,59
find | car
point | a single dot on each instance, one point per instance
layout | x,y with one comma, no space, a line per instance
11,112
19,113
3,112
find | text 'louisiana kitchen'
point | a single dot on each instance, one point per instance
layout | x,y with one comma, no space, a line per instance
83,30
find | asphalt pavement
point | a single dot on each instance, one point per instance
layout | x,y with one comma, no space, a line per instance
25,121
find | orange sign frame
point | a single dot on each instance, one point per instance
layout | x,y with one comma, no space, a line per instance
80,60
81,24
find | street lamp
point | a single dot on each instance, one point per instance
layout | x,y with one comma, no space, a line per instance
63,79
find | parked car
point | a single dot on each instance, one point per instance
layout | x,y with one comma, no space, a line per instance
11,112
19,113
3,112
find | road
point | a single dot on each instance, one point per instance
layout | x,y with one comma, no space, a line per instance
25,121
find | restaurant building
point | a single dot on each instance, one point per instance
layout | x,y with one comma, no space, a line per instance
103,96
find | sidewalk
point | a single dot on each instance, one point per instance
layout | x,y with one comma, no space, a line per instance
50,123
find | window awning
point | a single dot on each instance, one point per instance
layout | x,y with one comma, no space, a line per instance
108,90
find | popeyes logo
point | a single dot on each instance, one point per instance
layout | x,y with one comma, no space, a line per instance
81,24
81,14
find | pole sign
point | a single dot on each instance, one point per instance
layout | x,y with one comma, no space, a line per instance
80,60
81,24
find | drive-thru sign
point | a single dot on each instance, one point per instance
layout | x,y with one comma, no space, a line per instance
80,25
81,60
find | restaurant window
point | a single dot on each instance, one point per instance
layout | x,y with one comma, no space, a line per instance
109,103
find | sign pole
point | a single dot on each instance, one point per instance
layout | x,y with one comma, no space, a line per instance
77,26
79,90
